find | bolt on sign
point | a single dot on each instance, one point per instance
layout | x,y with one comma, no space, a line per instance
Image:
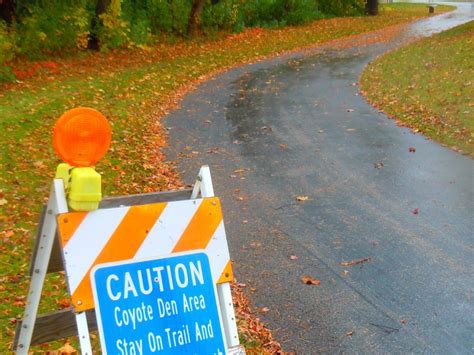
167,305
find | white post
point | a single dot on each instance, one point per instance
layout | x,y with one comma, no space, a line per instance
56,204
83,333
204,185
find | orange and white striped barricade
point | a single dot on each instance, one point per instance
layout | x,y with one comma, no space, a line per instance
131,232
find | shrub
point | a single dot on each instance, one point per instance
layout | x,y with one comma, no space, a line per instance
235,14
160,16
224,15
181,10
114,31
302,11
7,51
53,27
342,7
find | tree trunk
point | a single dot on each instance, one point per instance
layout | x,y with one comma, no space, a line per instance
7,11
194,23
372,7
100,8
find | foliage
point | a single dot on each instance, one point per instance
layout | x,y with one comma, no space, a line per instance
53,27
7,48
342,7
48,26
133,89
115,31
165,16
429,86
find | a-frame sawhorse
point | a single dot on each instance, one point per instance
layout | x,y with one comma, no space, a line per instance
34,329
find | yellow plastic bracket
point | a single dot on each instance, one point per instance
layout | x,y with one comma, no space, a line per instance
83,187
63,172
85,191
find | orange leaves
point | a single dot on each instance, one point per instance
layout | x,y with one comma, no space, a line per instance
423,86
302,198
135,90
67,349
308,280
64,303
251,330
29,70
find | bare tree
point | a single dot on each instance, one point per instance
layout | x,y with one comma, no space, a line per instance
100,8
372,7
194,23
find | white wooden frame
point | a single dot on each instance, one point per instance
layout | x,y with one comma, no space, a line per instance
203,186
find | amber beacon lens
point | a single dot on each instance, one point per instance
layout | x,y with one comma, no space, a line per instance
82,136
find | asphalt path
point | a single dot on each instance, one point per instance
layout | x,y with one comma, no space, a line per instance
297,126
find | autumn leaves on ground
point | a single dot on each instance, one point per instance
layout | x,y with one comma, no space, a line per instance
429,86
133,89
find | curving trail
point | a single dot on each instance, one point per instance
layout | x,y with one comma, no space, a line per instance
297,127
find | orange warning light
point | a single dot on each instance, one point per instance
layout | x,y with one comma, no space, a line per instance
82,136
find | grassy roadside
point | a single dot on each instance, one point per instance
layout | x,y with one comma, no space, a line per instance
133,89
429,87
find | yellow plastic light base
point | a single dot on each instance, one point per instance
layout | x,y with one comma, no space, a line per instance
85,190
62,172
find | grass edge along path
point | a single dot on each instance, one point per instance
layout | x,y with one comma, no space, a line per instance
134,90
428,86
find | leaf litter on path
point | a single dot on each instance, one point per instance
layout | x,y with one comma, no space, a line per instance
309,280
136,163
355,262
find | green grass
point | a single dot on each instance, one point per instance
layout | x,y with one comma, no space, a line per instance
429,86
130,88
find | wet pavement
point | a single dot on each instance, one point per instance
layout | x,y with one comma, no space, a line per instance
296,126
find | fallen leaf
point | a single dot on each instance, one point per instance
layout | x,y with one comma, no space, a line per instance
293,257
19,301
350,110
349,334
308,280
412,149
263,309
378,165
8,233
39,164
67,349
3,202
238,171
64,303
355,262
301,198
416,211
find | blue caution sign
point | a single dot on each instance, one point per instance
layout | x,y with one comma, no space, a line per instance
162,306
